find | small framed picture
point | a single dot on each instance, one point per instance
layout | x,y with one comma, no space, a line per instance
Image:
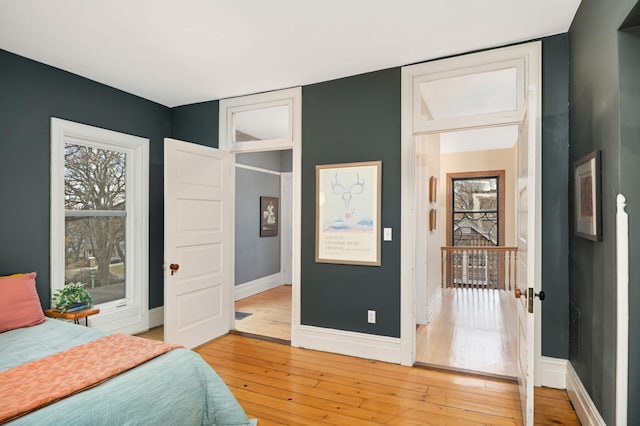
433,189
587,203
268,216
432,219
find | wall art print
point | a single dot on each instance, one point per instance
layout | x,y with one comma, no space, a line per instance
268,216
587,201
348,213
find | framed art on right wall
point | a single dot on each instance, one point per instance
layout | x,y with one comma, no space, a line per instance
587,205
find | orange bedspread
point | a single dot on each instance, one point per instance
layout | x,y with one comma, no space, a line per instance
38,383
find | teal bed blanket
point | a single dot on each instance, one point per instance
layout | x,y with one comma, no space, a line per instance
177,388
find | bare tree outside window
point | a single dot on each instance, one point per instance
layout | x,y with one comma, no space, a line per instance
95,215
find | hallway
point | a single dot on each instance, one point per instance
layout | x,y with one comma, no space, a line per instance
474,330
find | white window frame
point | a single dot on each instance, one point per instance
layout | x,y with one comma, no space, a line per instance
130,314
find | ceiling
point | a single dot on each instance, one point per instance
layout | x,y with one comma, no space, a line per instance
177,53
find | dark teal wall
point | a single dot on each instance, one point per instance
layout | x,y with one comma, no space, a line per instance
555,193
350,120
595,118
196,123
30,94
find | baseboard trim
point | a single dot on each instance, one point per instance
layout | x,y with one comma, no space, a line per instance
582,402
361,345
156,317
434,304
553,372
257,286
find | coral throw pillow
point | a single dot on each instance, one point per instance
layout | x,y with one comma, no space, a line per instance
19,302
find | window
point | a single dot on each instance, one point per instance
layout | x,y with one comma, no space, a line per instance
475,209
262,122
99,218
475,213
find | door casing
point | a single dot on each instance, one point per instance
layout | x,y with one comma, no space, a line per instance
530,53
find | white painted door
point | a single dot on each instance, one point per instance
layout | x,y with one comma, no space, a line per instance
526,236
197,243
286,211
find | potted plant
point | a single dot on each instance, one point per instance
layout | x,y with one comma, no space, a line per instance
72,297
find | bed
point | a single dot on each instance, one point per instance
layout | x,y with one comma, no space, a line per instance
175,388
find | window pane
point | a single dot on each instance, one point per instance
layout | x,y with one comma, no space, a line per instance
473,94
475,212
261,124
94,179
95,255
95,201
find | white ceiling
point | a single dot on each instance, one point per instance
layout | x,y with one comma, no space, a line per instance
181,52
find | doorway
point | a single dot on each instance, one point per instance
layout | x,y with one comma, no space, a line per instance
263,206
464,269
440,97
264,133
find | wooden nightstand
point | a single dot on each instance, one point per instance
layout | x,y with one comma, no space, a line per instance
75,315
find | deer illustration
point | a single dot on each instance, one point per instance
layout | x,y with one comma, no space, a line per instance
347,193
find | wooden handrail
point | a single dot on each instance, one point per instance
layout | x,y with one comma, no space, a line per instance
479,267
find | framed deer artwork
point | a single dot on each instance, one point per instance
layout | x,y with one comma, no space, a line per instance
348,213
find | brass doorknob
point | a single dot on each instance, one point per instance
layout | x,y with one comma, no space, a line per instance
519,293
174,268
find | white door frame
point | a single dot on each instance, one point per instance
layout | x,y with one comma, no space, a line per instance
293,98
286,211
531,53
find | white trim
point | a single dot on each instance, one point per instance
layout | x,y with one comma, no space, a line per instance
622,320
116,316
350,343
532,51
434,304
156,317
286,211
257,169
407,223
257,286
582,402
296,222
553,372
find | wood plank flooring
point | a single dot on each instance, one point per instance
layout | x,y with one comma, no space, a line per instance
474,331
270,313
281,385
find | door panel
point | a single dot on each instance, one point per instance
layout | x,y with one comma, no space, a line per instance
197,305
526,256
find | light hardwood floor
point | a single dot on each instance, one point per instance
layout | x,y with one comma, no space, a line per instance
270,313
281,385
474,331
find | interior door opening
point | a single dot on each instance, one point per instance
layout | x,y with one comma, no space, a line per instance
263,255
472,92
465,258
